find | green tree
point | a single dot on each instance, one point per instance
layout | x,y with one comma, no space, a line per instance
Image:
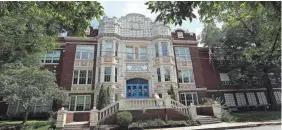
171,92
102,98
108,96
258,22
28,86
28,28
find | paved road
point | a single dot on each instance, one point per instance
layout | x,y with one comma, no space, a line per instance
268,127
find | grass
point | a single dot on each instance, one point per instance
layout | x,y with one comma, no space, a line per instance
256,116
29,125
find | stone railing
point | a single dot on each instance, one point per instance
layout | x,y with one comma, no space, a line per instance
97,116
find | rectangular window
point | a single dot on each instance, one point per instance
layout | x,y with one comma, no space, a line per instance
84,52
159,74
186,76
182,54
51,57
107,74
188,98
80,103
143,53
241,100
180,34
116,52
99,75
82,77
277,95
164,49
224,79
262,98
129,53
167,74
157,50
108,49
229,99
75,77
115,74
251,98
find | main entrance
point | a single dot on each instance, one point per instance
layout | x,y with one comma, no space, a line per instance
137,88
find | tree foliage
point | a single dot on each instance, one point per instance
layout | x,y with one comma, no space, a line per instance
29,86
33,27
250,35
102,98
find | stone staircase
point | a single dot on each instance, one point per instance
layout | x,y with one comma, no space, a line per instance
208,119
77,126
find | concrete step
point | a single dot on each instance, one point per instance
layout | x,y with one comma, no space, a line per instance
208,120
77,126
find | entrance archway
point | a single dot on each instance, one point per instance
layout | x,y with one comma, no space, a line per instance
137,88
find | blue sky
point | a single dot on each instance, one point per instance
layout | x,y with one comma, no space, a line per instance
121,8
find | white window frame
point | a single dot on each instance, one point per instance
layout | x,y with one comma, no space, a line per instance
53,53
132,53
107,48
107,74
89,49
277,95
241,100
78,76
143,54
229,99
262,98
252,98
185,101
167,74
186,54
84,102
190,73
224,78
165,51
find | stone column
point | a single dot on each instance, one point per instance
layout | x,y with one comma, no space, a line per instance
162,73
102,73
192,111
122,104
167,100
216,110
93,117
61,118
112,73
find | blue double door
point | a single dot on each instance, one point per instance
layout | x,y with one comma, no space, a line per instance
137,88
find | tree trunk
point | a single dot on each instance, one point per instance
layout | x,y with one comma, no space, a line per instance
271,98
25,117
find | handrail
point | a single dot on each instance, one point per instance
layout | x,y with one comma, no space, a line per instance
107,111
181,108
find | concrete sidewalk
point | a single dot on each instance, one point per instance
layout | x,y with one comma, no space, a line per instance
224,125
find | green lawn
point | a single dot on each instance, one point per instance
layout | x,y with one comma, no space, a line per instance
257,116
30,125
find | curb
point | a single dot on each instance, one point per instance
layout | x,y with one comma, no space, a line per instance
242,126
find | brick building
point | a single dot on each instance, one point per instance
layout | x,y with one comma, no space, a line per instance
138,58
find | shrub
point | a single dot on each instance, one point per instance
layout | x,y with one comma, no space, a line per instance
124,118
156,122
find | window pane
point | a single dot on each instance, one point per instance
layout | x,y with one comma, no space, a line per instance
75,76
129,51
89,78
108,48
157,50
82,77
77,55
108,70
79,103
167,74
159,74
87,103
164,49
72,103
